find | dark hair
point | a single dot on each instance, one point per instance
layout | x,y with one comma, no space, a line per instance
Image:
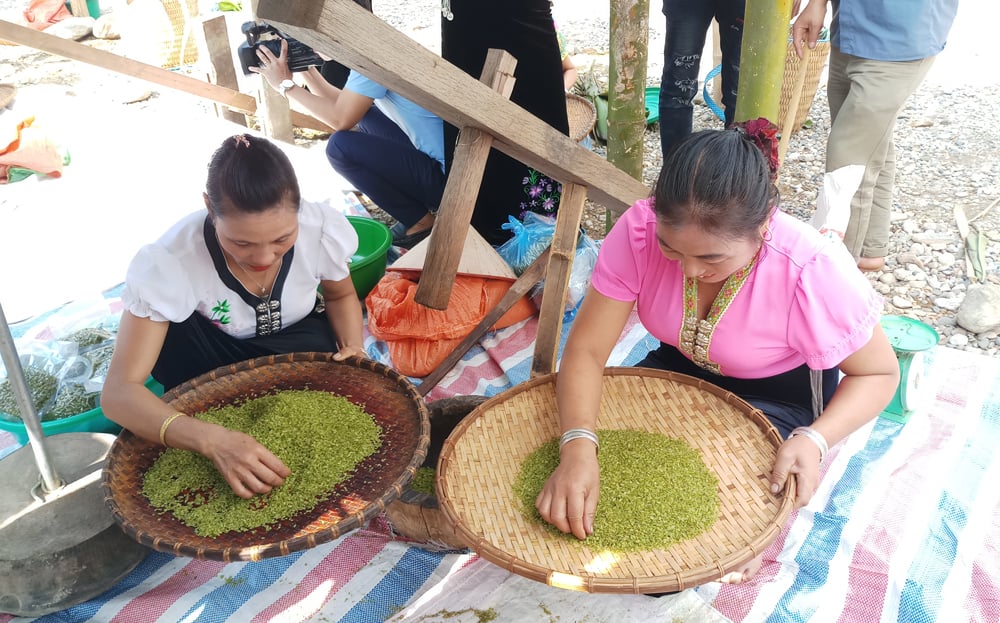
252,173
717,180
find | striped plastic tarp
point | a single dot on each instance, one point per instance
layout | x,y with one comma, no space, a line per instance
904,528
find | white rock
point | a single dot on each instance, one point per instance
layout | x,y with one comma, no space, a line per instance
945,258
958,340
949,304
902,303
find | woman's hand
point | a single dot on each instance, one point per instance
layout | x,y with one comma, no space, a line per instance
349,351
273,68
568,500
248,467
798,457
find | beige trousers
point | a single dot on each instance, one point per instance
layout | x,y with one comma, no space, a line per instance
865,97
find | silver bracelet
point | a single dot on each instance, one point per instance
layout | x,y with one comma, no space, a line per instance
578,433
816,437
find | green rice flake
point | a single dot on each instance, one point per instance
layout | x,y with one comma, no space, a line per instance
423,480
656,491
320,437
42,385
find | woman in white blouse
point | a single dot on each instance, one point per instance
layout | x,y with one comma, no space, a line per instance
257,272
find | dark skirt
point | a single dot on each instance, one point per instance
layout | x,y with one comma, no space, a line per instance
786,399
524,28
196,346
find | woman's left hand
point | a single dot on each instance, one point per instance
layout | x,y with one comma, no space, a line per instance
273,68
348,351
798,457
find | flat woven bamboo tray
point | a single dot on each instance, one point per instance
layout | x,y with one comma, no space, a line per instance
581,115
482,457
387,396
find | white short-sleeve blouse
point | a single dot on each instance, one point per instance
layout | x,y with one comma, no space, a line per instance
185,272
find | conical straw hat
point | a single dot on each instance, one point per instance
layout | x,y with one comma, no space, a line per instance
479,259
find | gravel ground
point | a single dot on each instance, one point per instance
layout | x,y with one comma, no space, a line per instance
947,138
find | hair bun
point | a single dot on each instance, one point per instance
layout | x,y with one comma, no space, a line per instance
764,135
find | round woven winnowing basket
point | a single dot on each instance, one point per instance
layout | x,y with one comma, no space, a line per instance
391,400
582,116
481,459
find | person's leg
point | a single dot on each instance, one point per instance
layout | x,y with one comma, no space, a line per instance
861,135
684,40
398,177
729,14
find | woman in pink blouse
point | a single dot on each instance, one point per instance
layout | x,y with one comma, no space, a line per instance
739,294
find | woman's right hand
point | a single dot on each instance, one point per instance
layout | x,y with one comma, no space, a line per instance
248,467
568,500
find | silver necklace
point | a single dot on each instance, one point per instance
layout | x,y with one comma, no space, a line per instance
265,292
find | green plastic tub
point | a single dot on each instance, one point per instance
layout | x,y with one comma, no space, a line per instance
368,264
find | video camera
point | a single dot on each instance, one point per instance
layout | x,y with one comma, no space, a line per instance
300,56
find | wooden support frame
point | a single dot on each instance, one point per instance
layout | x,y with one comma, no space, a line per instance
346,32
444,249
360,40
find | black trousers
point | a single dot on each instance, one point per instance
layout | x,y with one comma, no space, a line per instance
524,28
786,399
196,346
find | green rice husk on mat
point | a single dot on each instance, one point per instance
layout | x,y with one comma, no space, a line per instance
320,437
656,491
423,480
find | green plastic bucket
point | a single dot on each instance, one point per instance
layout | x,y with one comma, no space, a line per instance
369,262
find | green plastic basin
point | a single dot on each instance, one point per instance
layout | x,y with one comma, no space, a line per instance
368,263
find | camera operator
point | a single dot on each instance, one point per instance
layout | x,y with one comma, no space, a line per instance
396,156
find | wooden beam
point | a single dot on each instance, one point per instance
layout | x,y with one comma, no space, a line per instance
560,268
157,75
219,53
451,227
358,39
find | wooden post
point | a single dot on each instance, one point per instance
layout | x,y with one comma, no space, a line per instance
444,249
557,279
218,50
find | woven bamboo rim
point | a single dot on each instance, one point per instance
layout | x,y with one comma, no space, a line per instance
814,70
389,397
481,459
582,116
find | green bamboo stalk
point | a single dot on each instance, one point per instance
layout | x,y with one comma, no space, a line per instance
629,54
762,59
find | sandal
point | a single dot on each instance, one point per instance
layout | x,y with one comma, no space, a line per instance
408,241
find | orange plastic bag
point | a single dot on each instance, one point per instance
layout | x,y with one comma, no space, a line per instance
420,338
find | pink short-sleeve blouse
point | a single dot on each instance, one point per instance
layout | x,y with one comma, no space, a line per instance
805,301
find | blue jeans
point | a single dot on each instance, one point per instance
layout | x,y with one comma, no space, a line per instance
688,22
378,158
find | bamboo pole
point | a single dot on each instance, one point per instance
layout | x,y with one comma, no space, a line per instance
762,59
